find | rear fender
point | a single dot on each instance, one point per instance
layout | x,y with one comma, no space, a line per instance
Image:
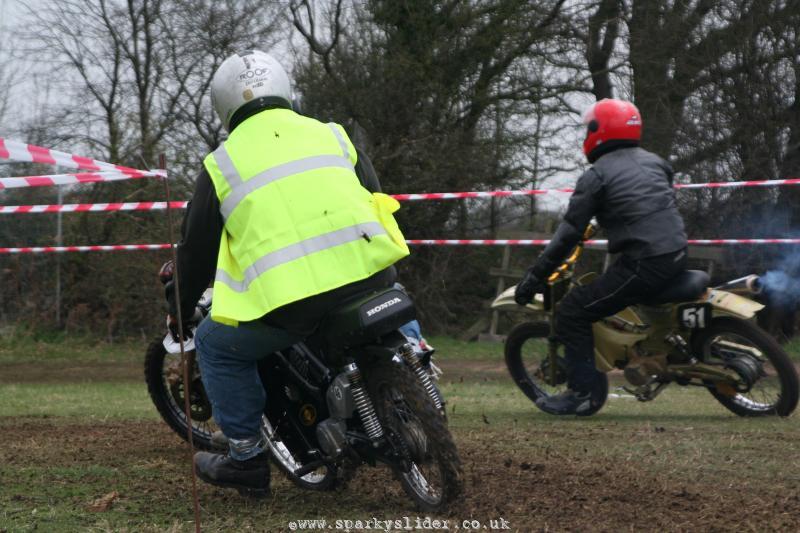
386,348
727,303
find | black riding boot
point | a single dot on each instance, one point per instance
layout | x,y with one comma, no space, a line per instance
250,477
569,402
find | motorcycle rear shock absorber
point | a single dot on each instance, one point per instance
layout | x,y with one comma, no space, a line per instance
363,403
412,360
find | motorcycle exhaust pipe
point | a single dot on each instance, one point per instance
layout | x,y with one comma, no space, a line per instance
751,284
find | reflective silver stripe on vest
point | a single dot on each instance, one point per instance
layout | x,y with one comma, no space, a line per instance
367,231
341,140
225,165
278,172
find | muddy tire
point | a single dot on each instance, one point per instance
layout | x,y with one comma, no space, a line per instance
776,373
404,408
520,361
169,407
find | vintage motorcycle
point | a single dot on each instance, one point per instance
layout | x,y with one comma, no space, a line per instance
688,334
355,392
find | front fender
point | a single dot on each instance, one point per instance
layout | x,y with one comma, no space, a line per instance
505,302
728,303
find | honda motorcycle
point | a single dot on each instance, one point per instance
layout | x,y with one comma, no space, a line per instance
355,392
689,334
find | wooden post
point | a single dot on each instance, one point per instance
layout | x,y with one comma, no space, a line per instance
501,285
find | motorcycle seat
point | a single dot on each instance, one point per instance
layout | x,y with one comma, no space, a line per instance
686,286
364,318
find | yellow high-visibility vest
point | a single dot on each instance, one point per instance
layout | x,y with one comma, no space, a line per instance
297,220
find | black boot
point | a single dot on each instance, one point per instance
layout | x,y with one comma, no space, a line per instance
569,402
250,477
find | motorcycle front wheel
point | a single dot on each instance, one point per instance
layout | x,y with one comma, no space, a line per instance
164,377
528,362
431,474
768,378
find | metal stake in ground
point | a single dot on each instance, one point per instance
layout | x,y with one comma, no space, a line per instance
185,363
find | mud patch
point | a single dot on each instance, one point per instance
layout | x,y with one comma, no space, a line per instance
71,372
532,488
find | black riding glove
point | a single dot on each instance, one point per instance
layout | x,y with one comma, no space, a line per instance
172,324
528,287
189,319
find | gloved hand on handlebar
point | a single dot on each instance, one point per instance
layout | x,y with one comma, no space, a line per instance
528,287
189,319
172,324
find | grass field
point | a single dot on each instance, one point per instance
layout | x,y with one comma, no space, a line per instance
77,425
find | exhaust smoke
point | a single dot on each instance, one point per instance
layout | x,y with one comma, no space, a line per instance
782,285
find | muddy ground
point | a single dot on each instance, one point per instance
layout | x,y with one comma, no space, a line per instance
663,467
557,492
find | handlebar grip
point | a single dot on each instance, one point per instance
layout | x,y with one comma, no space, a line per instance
589,232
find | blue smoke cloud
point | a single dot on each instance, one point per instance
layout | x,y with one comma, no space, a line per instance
782,285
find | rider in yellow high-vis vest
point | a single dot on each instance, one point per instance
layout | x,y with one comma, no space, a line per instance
282,222
297,221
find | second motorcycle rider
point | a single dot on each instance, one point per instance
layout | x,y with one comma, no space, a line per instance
630,192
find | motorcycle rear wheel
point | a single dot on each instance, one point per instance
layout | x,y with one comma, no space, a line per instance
526,356
163,389
775,390
410,419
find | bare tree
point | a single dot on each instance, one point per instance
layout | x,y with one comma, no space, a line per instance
443,95
603,30
134,78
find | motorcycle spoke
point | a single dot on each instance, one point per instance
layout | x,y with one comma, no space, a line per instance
282,454
537,364
400,422
173,377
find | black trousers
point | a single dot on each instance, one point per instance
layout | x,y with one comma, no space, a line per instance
625,283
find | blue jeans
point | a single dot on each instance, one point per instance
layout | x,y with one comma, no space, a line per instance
411,329
228,358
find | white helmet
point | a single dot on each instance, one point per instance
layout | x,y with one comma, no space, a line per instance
246,82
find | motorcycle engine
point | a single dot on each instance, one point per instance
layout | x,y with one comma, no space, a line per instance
642,369
331,436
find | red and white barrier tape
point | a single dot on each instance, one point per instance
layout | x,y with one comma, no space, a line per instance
475,194
28,153
726,184
146,206
533,192
70,179
413,242
78,208
595,242
62,249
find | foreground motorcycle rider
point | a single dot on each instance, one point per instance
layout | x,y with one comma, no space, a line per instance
282,224
630,192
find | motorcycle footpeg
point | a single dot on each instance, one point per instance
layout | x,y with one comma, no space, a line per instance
310,467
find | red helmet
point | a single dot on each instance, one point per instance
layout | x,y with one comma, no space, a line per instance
611,120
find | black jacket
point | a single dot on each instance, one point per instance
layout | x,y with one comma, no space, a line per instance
199,245
630,192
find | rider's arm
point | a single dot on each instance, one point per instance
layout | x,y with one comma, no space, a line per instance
583,205
366,173
197,250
